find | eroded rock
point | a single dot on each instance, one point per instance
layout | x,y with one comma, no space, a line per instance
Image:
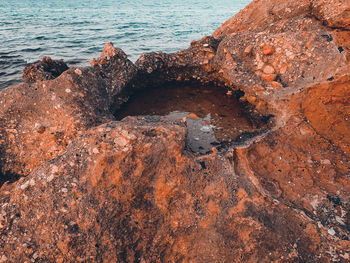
130,192
38,120
126,192
45,69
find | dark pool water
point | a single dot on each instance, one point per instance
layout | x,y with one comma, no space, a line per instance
77,30
212,116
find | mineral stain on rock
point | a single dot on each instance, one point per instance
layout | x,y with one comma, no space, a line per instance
96,189
212,115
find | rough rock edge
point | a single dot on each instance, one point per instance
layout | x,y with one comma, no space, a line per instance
45,69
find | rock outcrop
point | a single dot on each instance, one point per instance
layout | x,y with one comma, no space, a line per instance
98,190
45,69
38,120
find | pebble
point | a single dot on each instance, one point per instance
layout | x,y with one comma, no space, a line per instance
54,169
268,77
269,69
283,69
326,162
120,141
248,50
78,71
251,99
206,128
193,116
331,231
3,258
276,84
92,62
268,50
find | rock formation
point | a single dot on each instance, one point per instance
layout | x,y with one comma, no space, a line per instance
79,186
45,69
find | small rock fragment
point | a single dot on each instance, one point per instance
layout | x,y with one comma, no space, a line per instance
268,50
78,72
248,50
193,115
269,69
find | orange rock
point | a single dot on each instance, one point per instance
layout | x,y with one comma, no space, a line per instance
249,204
268,50
248,50
244,98
283,69
261,105
193,115
268,69
92,62
251,99
276,84
268,77
259,88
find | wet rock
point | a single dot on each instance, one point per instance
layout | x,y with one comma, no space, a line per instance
45,69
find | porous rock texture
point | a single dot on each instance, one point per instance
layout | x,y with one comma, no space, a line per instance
44,69
38,120
99,190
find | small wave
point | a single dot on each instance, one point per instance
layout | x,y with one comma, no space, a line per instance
71,29
7,56
32,49
7,83
74,61
41,38
74,23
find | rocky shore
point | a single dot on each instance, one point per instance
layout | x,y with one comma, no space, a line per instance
79,186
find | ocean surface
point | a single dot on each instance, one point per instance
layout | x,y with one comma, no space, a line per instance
76,30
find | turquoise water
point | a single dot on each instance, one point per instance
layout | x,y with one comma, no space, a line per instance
76,30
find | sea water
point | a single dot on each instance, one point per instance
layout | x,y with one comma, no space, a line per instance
76,30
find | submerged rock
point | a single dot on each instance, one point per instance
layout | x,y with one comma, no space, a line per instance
100,190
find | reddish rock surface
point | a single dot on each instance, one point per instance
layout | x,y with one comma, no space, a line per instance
45,69
128,192
38,120
131,191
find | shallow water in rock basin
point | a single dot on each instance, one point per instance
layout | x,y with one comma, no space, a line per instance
212,116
